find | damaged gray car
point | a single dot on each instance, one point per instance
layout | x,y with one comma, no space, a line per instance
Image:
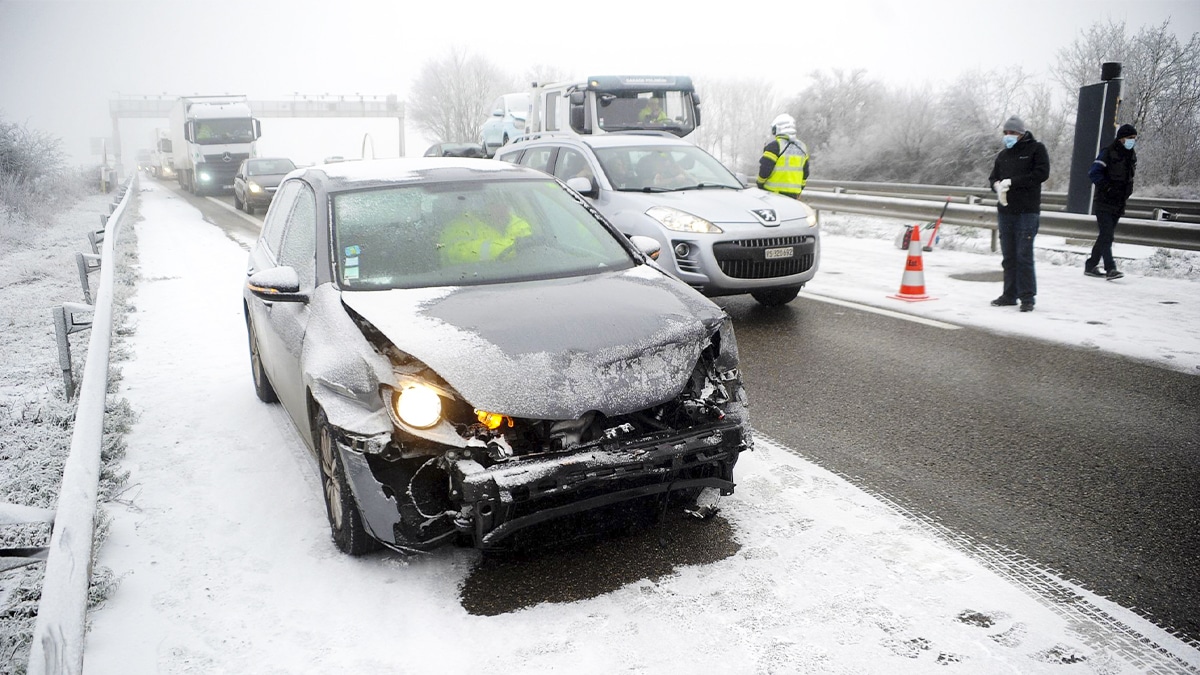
471,351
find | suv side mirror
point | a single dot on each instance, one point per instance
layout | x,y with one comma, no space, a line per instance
277,284
584,186
649,246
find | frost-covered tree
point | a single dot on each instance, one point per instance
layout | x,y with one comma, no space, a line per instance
1160,92
735,120
451,94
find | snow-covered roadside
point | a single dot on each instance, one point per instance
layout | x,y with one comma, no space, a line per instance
226,565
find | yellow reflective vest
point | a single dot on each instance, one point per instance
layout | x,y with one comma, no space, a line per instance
470,239
791,167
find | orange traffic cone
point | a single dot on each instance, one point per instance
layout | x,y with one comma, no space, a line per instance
912,284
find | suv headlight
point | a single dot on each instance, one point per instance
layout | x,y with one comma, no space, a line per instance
810,215
681,221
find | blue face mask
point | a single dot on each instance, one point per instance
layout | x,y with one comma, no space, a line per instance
1129,143
1010,140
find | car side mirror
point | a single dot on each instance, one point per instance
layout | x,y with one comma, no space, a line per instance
649,246
584,186
277,284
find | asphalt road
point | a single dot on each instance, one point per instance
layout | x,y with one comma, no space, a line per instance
1087,463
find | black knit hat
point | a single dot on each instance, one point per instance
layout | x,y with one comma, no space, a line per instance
1126,130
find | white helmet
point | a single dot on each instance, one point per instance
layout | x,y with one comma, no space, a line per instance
783,125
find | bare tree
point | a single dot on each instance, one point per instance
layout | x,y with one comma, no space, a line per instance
450,95
735,120
1160,92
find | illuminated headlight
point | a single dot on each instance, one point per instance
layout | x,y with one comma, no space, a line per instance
417,405
204,176
254,187
680,221
810,215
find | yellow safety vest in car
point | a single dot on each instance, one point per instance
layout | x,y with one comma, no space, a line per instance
470,239
788,176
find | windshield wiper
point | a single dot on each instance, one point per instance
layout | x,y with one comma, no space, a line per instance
701,186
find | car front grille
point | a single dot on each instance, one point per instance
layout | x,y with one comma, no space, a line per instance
746,258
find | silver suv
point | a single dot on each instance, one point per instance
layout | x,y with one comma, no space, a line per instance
717,235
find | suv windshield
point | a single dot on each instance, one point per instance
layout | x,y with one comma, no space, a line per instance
647,168
467,233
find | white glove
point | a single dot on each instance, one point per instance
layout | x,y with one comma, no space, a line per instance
1001,188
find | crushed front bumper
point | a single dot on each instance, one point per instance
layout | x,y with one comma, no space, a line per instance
497,501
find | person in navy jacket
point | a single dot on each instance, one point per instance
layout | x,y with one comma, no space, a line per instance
1112,173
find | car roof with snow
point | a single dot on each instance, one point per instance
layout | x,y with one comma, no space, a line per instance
365,174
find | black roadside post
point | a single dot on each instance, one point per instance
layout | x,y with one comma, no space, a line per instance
1095,127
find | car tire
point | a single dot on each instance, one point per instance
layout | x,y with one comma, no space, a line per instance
248,207
345,522
237,202
262,386
776,296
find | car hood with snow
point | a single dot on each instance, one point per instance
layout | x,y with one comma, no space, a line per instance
536,349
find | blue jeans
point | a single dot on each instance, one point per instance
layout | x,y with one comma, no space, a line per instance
1107,222
1017,231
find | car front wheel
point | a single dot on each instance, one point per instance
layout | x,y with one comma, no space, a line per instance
345,521
237,201
262,386
776,296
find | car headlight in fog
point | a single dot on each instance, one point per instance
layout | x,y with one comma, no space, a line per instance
204,176
681,221
417,405
254,187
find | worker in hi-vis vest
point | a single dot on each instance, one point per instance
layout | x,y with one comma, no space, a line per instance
784,166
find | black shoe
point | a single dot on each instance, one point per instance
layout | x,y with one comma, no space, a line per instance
1113,274
1093,272
1026,306
1003,302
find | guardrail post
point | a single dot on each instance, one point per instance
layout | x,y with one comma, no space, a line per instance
64,325
96,237
86,263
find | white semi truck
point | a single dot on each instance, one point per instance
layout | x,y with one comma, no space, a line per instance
210,136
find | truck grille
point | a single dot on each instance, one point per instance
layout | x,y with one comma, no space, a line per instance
746,258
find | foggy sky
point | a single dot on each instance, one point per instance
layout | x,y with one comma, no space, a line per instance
61,62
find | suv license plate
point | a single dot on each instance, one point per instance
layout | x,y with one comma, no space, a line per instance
773,253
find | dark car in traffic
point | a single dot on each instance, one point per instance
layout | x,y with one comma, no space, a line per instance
470,351
256,180
455,150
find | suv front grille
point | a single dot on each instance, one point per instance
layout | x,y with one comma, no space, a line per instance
746,258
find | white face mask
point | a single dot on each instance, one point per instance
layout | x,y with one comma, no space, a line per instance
1129,143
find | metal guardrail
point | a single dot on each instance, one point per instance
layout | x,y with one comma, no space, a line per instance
1165,234
58,635
1152,208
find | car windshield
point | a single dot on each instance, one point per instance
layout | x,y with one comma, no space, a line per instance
264,167
467,233
646,168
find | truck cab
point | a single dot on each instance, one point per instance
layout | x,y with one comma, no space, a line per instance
609,103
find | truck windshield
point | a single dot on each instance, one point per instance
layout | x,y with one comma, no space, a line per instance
671,111
219,131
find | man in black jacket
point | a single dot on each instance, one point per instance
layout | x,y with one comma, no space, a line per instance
1112,173
1017,177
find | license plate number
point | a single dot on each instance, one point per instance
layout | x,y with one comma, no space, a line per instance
773,253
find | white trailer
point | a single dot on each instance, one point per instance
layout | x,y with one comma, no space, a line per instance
210,136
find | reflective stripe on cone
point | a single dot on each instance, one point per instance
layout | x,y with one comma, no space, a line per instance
912,284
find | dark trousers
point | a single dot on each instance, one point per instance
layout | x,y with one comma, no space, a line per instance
1107,222
1017,231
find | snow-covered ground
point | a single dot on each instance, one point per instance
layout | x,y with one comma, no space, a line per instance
224,562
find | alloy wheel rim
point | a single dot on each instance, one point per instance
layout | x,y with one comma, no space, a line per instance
333,492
